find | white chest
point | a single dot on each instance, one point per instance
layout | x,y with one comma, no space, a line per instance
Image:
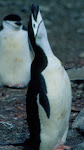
13,44
59,95
15,58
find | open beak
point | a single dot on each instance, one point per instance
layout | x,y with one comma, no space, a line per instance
35,10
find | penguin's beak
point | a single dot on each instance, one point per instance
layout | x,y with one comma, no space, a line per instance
36,18
35,10
18,23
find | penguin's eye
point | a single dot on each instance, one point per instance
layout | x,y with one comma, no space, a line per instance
34,25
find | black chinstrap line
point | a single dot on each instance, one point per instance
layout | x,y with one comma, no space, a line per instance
38,27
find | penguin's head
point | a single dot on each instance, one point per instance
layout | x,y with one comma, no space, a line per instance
12,21
36,18
37,24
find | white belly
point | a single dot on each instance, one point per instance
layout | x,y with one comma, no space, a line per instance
15,59
59,95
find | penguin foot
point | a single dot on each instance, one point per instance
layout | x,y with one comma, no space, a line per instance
16,86
63,147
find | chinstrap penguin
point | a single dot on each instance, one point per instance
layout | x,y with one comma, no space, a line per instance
15,55
48,101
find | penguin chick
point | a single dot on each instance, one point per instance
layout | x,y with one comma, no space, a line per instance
48,102
15,56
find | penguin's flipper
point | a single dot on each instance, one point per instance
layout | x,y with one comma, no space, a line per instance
43,99
1,27
24,28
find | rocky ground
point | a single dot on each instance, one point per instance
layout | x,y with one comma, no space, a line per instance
64,20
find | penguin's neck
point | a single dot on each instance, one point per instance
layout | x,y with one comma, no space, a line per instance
45,46
43,43
40,60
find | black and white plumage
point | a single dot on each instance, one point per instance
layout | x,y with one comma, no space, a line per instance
15,56
48,101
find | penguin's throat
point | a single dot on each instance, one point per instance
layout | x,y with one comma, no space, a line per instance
45,46
11,27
